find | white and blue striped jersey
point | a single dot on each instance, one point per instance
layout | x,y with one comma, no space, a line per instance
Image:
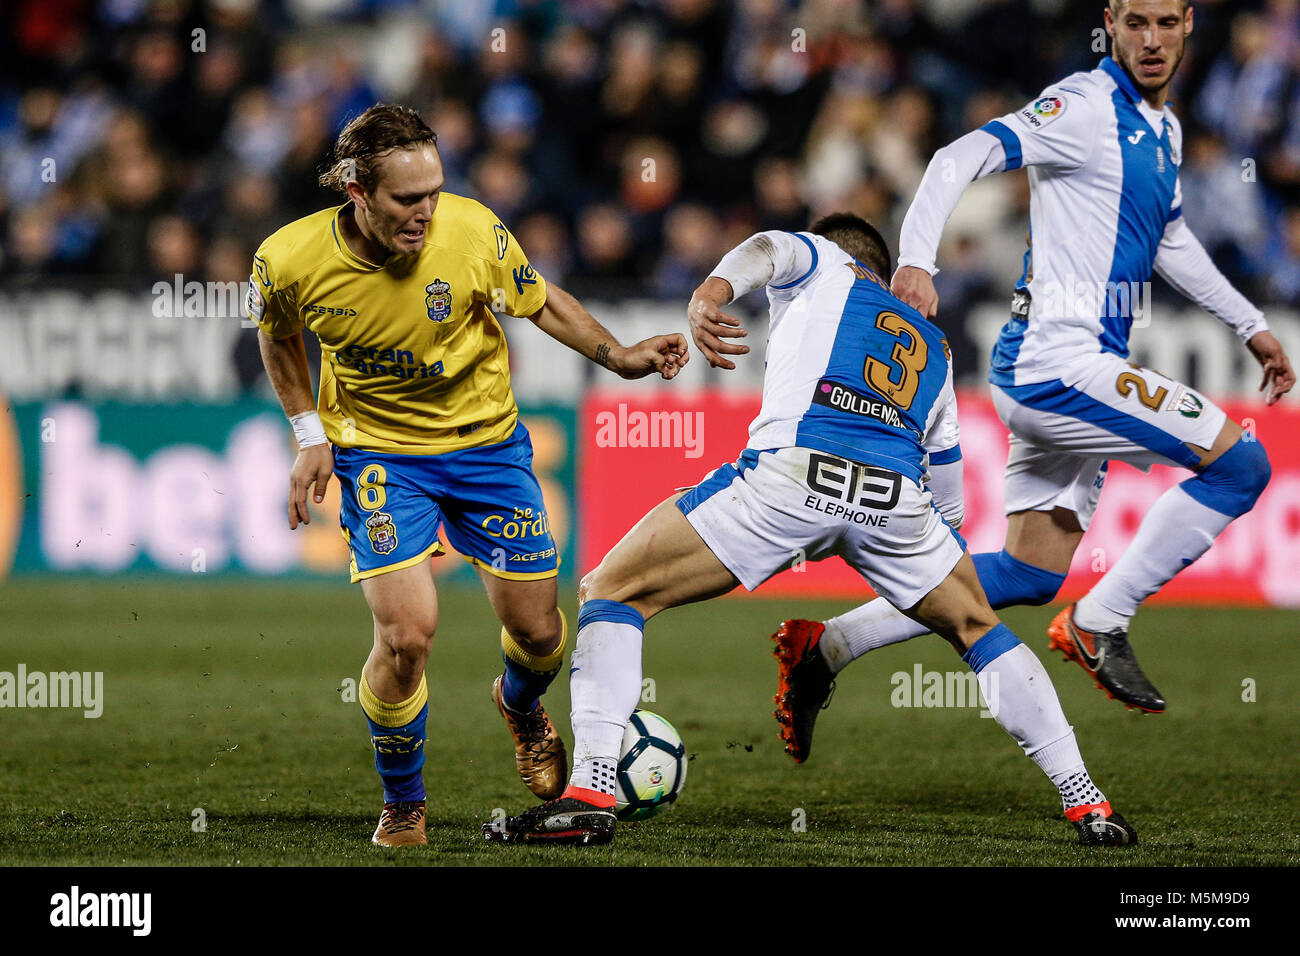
1103,176
850,369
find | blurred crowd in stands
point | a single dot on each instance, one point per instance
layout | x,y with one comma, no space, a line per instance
627,143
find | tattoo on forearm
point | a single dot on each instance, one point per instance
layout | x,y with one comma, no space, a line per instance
602,354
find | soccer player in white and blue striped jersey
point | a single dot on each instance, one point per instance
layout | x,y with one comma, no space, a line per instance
1102,149
857,405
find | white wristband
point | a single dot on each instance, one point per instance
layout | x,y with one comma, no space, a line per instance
307,428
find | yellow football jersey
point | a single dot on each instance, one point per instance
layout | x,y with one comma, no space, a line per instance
412,359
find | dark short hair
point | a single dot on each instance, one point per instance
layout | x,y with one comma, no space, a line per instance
369,137
858,238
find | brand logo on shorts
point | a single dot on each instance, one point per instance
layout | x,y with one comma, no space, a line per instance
382,532
854,483
438,300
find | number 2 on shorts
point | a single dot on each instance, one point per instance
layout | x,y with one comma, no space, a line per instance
1128,381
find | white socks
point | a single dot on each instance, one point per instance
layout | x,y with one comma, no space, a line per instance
865,628
605,685
1023,701
595,773
1175,532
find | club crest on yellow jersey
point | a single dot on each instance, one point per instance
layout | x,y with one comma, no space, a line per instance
382,532
438,300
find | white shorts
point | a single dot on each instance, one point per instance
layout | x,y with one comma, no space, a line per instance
774,509
1100,408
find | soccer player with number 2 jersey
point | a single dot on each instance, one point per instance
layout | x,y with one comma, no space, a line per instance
1102,149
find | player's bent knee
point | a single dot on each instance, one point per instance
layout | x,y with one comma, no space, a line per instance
408,639
1008,581
584,587
601,585
1042,589
535,636
1233,482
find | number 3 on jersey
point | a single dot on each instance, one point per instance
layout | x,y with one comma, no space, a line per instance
370,487
906,362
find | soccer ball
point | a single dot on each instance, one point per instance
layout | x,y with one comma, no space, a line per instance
651,767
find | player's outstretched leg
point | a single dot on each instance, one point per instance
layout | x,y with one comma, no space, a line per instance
811,653
1021,698
660,563
1180,527
605,683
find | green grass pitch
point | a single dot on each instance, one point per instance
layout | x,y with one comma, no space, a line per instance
225,697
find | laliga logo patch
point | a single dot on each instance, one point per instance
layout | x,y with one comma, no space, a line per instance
656,777
1049,106
1042,111
438,300
382,532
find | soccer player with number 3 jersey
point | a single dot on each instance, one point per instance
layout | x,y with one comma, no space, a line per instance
417,420
1103,150
857,402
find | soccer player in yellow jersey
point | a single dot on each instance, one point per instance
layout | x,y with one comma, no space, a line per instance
417,420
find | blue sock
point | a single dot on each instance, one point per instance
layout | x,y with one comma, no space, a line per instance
990,647
399,758
527,676
397,735
522,688
1007,581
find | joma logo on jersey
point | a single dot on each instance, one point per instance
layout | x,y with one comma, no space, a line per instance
438,300
854,482
330,310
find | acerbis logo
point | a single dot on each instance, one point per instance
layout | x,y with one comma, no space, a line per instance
330,310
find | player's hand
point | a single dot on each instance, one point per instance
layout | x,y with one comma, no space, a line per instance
710,325
916,287
1278,374
313,466
665,354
